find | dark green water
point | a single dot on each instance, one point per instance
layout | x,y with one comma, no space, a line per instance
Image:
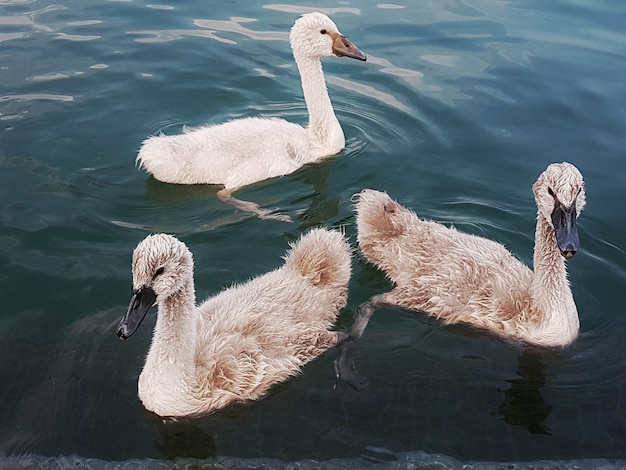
460,106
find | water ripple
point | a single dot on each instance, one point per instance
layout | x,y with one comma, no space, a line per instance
368,90
212,29
17,106
296,9
458,108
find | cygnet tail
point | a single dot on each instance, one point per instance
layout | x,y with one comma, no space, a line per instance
323,257
164,157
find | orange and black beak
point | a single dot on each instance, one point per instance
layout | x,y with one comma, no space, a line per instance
344,48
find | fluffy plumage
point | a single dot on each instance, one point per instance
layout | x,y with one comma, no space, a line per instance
235,345
458,277
245,151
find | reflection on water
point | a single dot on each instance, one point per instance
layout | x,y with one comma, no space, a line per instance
523,404
370,91
211,29
299,10
461,104
46,415
183,438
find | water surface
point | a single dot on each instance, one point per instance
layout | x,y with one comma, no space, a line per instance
459,108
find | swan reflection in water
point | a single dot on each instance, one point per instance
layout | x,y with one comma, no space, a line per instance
523,404
320,209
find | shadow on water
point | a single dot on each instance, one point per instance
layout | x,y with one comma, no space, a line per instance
321,208
182,438
75,388
167,194
318,208
523,404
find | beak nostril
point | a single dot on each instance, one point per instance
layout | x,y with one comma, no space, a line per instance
569,253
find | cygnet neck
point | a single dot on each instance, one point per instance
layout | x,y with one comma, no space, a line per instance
550,287
324,128
175,330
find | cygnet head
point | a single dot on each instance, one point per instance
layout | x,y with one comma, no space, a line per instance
315,35
560,195
162,267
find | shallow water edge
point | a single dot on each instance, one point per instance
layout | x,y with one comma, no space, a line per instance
384,460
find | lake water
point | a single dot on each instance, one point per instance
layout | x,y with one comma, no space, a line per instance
461,105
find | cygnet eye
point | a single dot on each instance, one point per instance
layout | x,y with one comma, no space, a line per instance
550,192
158,272
323,31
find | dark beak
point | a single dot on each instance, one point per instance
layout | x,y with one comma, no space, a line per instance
564,221
142,300
344,48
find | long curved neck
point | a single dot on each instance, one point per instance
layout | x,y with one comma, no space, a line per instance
550,288
173,343
324,129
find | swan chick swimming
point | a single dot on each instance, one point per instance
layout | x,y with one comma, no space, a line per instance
245,151
458,277
236,345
